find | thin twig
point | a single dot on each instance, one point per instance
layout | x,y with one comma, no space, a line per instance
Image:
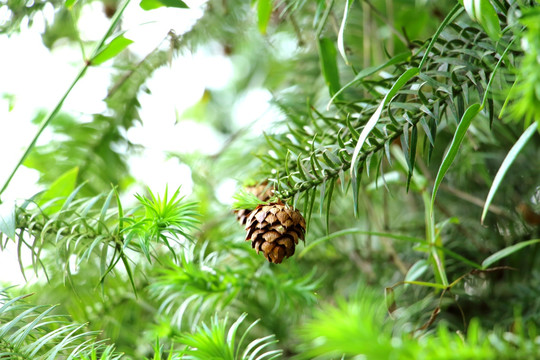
461,194
473,200
297,30
126,77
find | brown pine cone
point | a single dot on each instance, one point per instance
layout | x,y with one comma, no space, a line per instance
263,192
275,229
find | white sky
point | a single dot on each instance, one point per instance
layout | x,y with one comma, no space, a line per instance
37,78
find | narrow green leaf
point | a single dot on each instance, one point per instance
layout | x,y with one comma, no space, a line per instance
69,3
355,182
427,131
18,340
316,167
246,200
417,270
125,261
231,334
508,161
483,12
7,220
493,258
104,208
322,196
311,200
120,212
264,11
488,87
328,62
340,41
458,257
60,188
427,284
456,10
321,7
342,180
406,76
71,196
354,134
390,299
469,8
323,19
114,48
464,124
329,203
331,159
412,155
404,139
155,4
370,71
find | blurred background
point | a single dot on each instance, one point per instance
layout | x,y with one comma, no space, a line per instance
218,95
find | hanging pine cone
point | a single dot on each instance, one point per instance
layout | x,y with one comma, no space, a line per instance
275,229
263,192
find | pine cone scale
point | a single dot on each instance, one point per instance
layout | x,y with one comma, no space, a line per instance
275,229
271,236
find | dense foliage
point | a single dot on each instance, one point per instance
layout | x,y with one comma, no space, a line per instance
407,136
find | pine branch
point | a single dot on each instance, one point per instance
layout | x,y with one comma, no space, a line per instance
455,73
93,230
33,333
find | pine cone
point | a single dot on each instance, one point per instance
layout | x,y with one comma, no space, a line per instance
263,192
275,229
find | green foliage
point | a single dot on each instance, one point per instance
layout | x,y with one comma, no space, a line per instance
508,160
61,188
34,332
165,220
107,354
18,12
524,92
215,342
246,200
203,283
328,54
390,169
331,334
112,49
93,230
89,147
264,11
154,4
484,13
7,220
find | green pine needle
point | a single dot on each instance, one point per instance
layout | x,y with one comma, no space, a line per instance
246,200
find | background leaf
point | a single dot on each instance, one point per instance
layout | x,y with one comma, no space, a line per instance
328,62
115,47
406,76
155,4
484,13
508,161
462,128
341,40
61,188
501,254
264,12
7,220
